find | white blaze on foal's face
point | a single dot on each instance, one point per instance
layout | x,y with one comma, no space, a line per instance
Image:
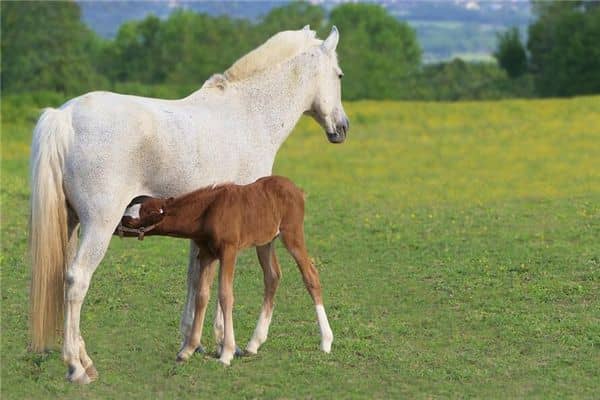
133,211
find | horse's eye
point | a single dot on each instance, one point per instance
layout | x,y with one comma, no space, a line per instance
340,75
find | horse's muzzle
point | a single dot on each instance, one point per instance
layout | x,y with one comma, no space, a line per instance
341,131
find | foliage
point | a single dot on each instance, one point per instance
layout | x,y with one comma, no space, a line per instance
186,48
46,46
460,80
563,43
377,51
511,53
293,16
457,246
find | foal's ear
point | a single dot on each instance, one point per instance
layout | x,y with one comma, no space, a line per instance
332,40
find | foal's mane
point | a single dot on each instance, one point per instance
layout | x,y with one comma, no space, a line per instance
279,48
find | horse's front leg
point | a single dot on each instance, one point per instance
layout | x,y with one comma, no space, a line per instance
227,265
205,279
187,317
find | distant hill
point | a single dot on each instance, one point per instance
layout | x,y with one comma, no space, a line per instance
445,29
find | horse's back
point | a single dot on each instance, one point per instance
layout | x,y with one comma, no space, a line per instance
125,140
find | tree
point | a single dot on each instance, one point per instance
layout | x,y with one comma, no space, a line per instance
186,48
511,54
292,16
136,53
563,43
46,46
377,52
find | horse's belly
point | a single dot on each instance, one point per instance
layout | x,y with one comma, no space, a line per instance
156,148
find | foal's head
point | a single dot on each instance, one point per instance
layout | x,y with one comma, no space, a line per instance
153,210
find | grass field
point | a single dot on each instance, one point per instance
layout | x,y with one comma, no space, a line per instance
459,250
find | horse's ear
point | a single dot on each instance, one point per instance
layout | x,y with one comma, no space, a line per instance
331,42
307,31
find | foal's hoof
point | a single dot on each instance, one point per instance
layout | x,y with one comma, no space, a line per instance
200,350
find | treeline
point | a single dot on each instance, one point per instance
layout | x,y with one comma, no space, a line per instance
45,46
562,53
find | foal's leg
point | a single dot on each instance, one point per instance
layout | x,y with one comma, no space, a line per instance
271,277
227,261
293,239
206,275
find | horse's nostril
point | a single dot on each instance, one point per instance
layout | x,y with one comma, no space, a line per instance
345,126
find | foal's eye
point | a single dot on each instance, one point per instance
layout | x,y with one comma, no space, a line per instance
340,75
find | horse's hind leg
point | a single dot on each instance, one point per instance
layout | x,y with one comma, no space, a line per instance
293,239
271,277
95,238
73,236
205,277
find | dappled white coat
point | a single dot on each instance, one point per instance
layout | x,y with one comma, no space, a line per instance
100,150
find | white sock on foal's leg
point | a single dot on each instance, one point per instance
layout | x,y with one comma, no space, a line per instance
326,333
261,332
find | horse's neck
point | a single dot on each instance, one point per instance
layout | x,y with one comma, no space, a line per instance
276,99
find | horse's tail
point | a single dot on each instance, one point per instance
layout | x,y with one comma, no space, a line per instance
48,226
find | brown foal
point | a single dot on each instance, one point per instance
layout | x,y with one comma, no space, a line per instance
223,220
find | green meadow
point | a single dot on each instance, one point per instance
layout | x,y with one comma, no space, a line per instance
459,252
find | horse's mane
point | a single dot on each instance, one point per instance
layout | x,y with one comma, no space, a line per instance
279,48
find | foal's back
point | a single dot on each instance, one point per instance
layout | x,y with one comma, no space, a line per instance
257,212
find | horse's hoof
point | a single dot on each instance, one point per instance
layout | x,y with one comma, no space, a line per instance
200,350
226,362
92,373
181,358
238,352
82,379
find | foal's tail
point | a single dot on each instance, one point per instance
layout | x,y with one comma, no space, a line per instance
48,226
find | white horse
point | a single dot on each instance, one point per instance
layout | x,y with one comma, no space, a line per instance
97,152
